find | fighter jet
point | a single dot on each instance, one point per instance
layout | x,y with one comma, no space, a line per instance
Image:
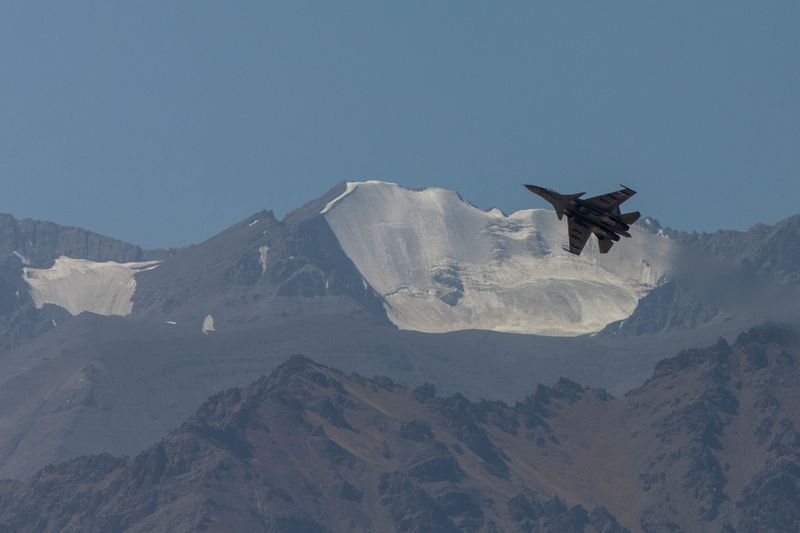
599,215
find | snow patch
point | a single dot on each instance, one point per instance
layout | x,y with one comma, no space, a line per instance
350,186
25,260
253,223
263,252
208,324
80,285
442,264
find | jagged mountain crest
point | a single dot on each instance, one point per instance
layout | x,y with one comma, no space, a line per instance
442,264
708,443
772,249
422,259
39,243
420,472
27,244
259,267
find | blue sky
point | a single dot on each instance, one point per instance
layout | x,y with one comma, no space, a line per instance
163,122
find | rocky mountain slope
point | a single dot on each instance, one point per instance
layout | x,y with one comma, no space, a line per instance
423,260
30,246
261,267
721,276
709,443
209,316
38,244
774,249
111,384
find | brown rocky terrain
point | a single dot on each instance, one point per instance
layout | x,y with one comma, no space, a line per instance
73,386
707,444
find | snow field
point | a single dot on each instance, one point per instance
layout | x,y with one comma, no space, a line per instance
80,285
442,264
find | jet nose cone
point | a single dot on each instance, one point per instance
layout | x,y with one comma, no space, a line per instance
535,189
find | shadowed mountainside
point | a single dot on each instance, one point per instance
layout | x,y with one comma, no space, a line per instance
87,384
708,443
260,267
720,276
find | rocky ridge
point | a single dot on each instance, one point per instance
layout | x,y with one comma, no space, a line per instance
34,243
708,443
259,267
719,276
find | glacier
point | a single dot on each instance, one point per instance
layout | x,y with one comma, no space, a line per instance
442,264
78,285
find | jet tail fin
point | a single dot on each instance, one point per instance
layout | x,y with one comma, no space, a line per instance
630,218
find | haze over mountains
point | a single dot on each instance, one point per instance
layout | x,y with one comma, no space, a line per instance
417,285
709,443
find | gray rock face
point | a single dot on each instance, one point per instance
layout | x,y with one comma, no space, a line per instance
36,243
774,249
721,275
451,289
42,242
260,267
670,307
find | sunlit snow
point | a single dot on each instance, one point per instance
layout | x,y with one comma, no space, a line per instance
208,324
263,252
80,285
25,261
442,264
350,187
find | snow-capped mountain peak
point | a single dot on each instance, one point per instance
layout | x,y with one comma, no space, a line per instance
442,264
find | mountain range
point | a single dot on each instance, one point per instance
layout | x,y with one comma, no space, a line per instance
106,347
708,443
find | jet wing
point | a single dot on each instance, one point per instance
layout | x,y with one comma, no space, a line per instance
612,200
578,235
604,244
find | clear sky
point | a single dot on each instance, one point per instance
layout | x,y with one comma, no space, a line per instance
163,122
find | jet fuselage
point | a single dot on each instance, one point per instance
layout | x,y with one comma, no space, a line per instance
599,215
601,221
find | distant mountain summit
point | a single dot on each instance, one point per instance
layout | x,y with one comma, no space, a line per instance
442,264
260,267
105,346
38,244
418,259
423,260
